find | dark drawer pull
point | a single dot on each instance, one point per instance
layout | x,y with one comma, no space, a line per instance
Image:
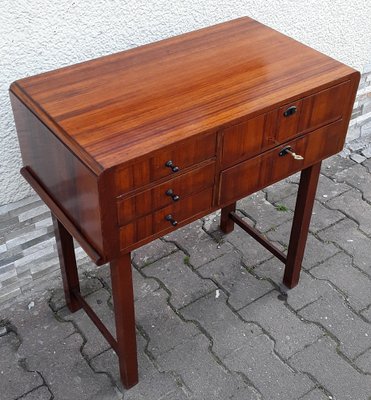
171,194
173,167
291,110
288,150
170,218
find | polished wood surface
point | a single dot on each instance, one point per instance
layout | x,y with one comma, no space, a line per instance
123,299
300,225
189,84
129,147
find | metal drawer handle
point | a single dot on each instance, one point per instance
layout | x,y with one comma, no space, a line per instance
171,165
170,218
171,194
291,110
288,150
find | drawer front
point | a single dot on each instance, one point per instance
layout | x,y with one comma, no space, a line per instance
312,112
160,220
167,162
172,191
243,140
252,175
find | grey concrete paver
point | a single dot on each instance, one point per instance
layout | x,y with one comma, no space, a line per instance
200,247
363,362
352,204
153,384
290,334
330,311
53,349
354,284
228,272
336,375
15,378
315,394
184,290
244,348
228,331
152,252
347,236
263,212
165,329
203,375
41,393
270,375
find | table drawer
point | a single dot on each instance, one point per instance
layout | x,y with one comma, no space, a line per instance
312,112
243,140
165,218
258,172
173,190
164,163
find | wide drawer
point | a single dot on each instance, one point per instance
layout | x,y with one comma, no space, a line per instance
258,172
165,218
173,190
164,163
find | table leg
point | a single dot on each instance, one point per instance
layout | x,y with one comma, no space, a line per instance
226,223
299,231
67,261
123,301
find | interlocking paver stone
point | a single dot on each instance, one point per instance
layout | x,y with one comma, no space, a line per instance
364,362
288,331
203,375
315,394
322,217
153,384
198,244
263,212
332,313
355,285
346,235
279,191
163,326
328,189
335,374
315,250
53,349
269,374
352,204
356,176
228,273
15,380
228,331
253,253
184,284
41,393
152,252
95,343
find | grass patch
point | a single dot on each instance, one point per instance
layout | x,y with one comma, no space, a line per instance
281,207
186,260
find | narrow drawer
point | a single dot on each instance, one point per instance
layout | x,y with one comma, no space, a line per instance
243,140
165,218
167,162
172,191
261,171
312,112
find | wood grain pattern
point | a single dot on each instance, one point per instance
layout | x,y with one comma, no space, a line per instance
261,171
70,184
153,199
123,106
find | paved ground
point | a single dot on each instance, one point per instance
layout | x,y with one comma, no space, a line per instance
213,321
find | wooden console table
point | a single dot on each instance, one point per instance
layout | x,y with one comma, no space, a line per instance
128,147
